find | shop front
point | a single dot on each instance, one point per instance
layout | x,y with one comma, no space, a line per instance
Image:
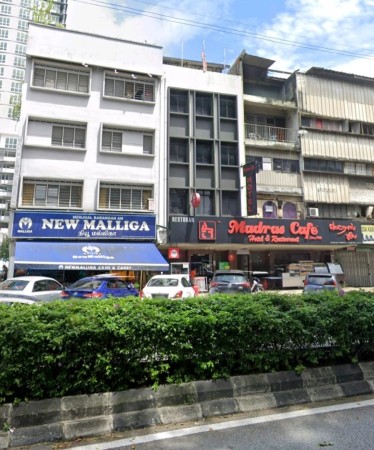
72,244
266,246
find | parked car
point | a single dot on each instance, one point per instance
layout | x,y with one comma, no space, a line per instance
17,300
315,282
168,286
229,282
31,287
99,286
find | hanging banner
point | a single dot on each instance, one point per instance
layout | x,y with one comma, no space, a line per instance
249,171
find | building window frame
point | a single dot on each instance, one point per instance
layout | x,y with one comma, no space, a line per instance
55,194
128,87
125,197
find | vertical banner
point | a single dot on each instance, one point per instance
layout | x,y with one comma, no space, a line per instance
249,171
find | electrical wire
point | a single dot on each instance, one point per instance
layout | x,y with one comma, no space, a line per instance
222,29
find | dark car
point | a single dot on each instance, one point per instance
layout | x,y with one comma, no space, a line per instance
229,282
99,287
315,282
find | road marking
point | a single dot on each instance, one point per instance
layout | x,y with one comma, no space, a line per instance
120,443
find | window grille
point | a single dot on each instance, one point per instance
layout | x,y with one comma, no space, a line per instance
129,89
68,136
124,197
51,193
61,79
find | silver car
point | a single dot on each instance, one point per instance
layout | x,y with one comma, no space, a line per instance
31,288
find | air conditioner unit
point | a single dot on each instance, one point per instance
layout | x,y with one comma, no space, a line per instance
151,204
313,212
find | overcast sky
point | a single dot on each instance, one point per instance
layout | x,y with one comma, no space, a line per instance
297,34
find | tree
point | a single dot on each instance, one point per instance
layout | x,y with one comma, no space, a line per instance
41,11
4,249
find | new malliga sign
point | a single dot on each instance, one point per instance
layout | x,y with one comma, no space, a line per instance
60,225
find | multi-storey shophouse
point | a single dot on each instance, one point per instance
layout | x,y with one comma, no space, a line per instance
14,21
91,163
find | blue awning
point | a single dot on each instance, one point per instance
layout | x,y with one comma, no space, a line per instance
89,256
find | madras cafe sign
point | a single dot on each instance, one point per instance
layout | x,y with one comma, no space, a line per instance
264,231
48,224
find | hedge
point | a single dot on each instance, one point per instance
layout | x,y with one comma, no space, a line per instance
70,348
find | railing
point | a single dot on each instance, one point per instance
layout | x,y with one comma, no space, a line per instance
269,133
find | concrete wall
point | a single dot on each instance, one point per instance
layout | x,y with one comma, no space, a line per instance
68,418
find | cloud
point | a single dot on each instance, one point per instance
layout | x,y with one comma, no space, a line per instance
125,22
321,33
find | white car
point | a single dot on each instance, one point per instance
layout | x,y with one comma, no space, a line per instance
30,288
168,286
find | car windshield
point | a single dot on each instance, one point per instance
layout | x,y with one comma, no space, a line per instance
319,280
86,284
164,282
230,278
13,285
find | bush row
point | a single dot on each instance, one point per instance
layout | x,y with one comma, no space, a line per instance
70,348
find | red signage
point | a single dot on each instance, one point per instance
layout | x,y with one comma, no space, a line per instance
207,230
173,253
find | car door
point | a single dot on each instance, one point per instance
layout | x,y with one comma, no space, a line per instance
47,290
117,288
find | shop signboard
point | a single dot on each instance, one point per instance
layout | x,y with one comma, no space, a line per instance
82,225
242,230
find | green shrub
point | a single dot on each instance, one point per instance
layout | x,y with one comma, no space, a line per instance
69,348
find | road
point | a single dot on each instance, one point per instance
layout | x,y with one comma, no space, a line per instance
343,425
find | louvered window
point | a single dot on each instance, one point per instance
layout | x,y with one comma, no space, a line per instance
52,194
61,78
124,197
68,136
129,89
112,140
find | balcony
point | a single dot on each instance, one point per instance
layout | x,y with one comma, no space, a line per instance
266,134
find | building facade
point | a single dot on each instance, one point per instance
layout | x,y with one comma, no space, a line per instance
14,23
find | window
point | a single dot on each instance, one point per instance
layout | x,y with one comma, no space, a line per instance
204,152
4,34
61,78
323,165
22,37
286,165
3,46
11,143
124,197
269,210
203,104
129,88
112,140
20,61
23,25
16,87
206,207
179,201
18,74
4,21
229,154
20,49
368,129
25,3
230,203
227,107
1,71
5,9
179,101
24,14
127,141
51,193
262,163
69,136
2,59
179,150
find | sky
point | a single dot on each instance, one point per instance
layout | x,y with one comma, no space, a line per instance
296,34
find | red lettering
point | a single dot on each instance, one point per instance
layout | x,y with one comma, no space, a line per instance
307,231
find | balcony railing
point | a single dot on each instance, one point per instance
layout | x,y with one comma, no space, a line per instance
269,133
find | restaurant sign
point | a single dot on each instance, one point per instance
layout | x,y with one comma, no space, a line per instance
61,225
264,231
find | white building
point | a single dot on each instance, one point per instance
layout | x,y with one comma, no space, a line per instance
14,22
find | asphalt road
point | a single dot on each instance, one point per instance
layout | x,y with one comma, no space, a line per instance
339,425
